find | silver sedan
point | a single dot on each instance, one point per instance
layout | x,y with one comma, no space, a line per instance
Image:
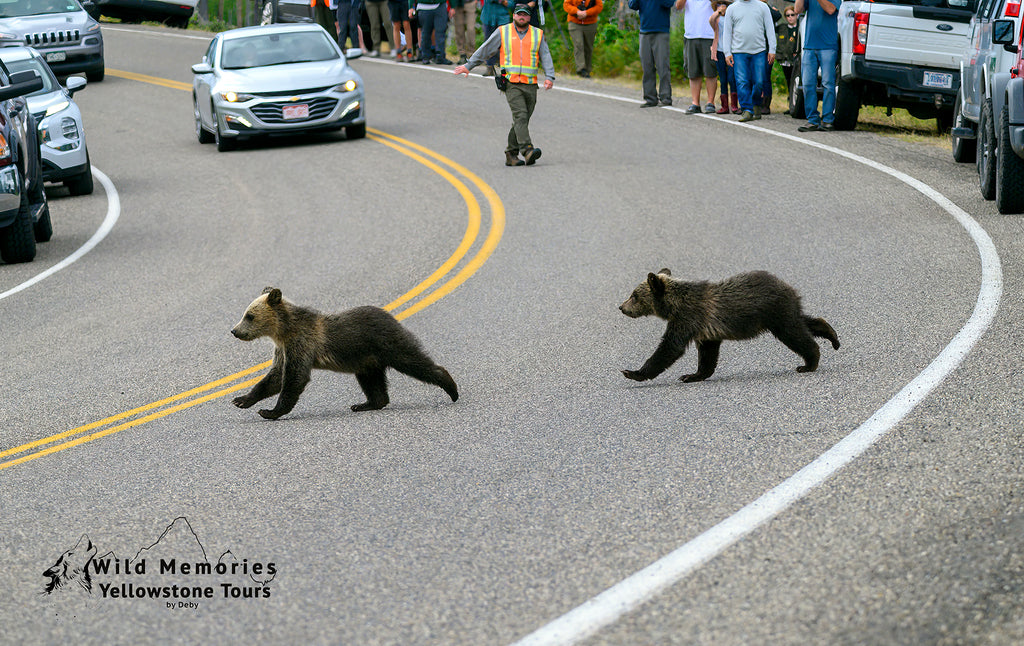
275,79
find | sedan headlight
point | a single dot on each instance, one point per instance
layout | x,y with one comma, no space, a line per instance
348,86
236,97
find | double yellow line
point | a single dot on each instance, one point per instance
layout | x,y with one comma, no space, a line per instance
422,295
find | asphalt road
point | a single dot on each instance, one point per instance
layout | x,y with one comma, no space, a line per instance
553,478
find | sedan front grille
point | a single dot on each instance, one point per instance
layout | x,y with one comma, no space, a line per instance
319,108
51,38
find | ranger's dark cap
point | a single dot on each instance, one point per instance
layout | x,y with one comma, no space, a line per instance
522,8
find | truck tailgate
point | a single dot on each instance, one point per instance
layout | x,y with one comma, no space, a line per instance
915,36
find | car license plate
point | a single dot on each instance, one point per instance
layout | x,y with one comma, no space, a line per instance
938,79
56,57
298,111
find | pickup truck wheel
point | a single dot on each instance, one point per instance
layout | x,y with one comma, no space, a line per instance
987,152
18,241
796,96
847,106
43,228
964,150
1009,171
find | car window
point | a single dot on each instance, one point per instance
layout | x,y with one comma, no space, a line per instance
15,8
969,5
277,49
34,64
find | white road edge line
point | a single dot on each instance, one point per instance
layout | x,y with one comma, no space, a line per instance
113,212
627,595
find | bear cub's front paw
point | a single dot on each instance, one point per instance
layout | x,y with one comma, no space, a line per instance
635,375
242,402
269,414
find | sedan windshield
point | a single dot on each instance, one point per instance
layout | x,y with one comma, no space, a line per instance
16,8
277,49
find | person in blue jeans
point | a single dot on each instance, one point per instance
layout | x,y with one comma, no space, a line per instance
748,41
820,52
433,18
350,12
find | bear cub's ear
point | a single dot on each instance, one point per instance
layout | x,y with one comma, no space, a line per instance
273,295
657,284
665,271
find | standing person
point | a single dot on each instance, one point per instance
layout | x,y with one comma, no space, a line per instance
495,14
766,85
820,51
350,12
785,46
726,73
655,16
378,13
523,52
748,40
464,19
698,36
583,15
433,18
400,25
323,16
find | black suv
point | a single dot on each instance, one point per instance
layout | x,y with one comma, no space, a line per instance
24,213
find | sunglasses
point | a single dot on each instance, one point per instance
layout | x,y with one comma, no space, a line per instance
790,15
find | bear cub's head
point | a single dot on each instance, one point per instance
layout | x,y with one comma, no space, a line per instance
262,317
647,296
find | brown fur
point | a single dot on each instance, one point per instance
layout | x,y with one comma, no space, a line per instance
707,313
364,341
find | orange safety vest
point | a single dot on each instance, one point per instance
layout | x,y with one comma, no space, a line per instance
520,56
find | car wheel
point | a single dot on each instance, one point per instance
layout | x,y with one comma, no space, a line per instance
83,184
224,144
796,97
202,134
987,152
96,76
964,150
43,229
18,241
355,132
1009,171
268,15
847,106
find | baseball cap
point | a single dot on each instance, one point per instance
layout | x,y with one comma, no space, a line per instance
522,8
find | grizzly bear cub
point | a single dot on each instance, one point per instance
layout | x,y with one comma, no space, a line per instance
741,307
364,341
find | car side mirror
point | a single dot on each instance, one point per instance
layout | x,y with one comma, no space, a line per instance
22,83
202,68
1003,33
353,52
74,84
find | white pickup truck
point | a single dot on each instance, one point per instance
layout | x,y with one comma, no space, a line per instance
901,54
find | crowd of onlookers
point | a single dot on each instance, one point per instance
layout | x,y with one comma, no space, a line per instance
731,46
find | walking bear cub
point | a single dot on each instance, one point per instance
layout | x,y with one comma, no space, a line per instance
741,307
365,341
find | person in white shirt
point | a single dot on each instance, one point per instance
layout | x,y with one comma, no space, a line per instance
698,36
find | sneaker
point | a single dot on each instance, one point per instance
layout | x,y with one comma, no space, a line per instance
374,54
584,74
442,61
693,109
425,61
757,112
709,108
828,126
664,102
648,104
810,127
746,115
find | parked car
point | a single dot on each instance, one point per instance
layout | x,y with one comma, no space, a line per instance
1009,131
174,13
24,212
275,79
65,156
976,119
64,33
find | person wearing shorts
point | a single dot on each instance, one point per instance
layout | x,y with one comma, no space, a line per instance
697,39
399,11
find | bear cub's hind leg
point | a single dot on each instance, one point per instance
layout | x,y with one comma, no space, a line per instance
374,383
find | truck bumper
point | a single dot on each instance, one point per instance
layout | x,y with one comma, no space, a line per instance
906,84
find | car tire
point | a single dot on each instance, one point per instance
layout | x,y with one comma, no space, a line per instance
847,106
18,241
268,12
224,144
1009,171
202,134
83,184
43,229
986,161
796,96
95,76
357,131
965,151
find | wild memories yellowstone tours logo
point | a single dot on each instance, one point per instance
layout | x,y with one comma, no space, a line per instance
175,570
